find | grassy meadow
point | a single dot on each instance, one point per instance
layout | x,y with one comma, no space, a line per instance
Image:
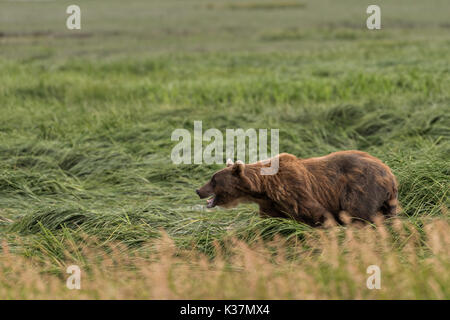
86,118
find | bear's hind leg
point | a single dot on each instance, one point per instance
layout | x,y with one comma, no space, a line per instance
360,206
391,206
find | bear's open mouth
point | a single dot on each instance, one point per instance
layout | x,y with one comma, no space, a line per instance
211,202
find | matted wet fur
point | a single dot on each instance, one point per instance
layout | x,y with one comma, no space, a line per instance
309,190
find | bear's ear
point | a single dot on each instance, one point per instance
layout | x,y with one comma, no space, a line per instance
238,168
239,171
229,163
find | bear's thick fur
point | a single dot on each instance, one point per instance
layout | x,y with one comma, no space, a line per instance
309,190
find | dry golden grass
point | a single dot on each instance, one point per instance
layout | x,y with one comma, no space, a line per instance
327,264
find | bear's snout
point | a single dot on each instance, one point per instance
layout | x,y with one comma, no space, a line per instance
204,191
199,193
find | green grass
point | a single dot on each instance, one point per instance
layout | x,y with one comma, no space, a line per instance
86,122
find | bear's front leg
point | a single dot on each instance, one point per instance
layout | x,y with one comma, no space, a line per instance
267,209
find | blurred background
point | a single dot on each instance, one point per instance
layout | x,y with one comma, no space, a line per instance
37,28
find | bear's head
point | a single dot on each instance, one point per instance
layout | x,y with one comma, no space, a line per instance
227,187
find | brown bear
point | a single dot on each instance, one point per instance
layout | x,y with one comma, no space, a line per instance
309,190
